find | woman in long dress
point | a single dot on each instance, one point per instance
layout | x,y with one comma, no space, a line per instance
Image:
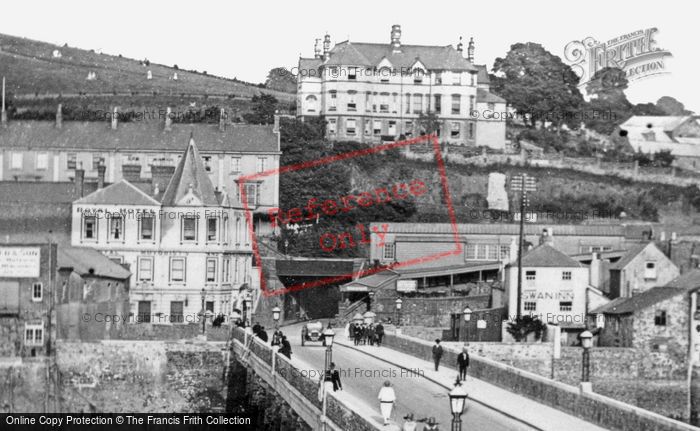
387,398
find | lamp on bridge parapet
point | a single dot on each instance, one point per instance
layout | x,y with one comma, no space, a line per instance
467,313
276,316
328,336
586,343
458,399
248,311
399,304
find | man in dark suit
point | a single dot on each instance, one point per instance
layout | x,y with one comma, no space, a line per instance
463,363
379,330
437,353
334,377
262,334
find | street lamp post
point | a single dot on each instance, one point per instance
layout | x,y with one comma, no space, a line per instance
467,313
248,302
370,295
458,399
586,342
328,335
276,316
399,304
204,320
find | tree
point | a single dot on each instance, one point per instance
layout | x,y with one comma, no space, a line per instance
281,79
538,83
647,109
608,106
672,106
263,107
429,123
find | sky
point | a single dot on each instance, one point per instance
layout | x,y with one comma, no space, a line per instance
247,39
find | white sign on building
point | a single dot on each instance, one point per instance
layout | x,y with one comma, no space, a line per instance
20,262
406,285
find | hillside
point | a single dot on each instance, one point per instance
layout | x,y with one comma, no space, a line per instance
35,69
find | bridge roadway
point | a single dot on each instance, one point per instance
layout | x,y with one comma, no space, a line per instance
362,376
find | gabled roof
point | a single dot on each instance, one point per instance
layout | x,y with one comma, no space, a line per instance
630,255
121,193
681,285
190,177
87,261
667,123
487,97
547,256
137,136
370,54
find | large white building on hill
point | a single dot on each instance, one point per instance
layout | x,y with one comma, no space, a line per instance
374,92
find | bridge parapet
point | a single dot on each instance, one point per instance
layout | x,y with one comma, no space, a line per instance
296,388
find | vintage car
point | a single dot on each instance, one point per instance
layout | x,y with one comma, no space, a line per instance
312,331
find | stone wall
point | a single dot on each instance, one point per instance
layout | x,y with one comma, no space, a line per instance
433,312
141,376
604,411
23,386
533,357
425,333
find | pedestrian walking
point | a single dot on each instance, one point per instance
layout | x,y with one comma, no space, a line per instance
437,353
335,378
379,330
358,334
370,334
387,398
431,425
463,363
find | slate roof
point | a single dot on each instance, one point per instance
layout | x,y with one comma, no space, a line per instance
371,54
87,261
137,136
547,256
487,97
42,191
667,123
121,193
681,285
629,256
314,268
308,64
504,229
190,175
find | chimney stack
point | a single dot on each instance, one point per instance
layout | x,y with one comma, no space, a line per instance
160,177
594,270
222,120
101,170
470,50
317,49
168,120
114,118
79,179
547,236
396,38
131,173
3,112
460,45
59,116
276,127
326,46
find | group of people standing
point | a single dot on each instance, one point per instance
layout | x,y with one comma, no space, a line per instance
278,339
366,333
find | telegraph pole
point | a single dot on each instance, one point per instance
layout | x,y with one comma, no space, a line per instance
523,184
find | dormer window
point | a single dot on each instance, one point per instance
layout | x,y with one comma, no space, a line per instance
418,77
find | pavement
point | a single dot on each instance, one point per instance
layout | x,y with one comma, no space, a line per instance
519,408
364,369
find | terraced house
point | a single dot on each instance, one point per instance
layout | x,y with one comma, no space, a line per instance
141,151
374,92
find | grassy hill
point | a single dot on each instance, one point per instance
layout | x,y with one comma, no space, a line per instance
34,74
